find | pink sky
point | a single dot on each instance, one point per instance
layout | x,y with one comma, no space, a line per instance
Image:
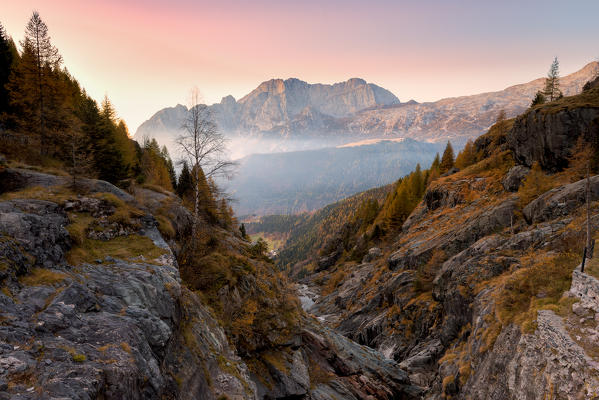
146,55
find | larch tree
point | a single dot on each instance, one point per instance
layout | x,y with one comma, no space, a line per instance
552,91
467,156
448,159
45,58
434,171
580,158
204,147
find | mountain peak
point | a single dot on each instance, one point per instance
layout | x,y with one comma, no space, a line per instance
228,100
356,81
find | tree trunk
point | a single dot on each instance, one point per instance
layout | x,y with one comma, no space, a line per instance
196,208
588,190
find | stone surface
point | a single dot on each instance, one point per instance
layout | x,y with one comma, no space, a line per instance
560,201
514,178
548,137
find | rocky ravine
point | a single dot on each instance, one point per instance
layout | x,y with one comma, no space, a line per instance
478,295
448,339
123,326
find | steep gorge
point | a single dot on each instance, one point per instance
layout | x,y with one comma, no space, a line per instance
478,295
93,306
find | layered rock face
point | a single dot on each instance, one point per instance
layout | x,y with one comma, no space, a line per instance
282,106
445,332
111,328
547,137
293,108
478,296
102,312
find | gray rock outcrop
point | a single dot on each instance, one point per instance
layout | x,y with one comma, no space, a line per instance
512,181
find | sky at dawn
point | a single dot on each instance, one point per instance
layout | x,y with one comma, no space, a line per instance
147,55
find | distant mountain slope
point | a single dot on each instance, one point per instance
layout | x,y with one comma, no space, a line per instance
276,103
466,116
292,108
294,182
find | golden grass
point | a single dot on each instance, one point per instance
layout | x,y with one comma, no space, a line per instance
42,277
589,99
57,194
165,226
520,293
52,167
125,346
122,247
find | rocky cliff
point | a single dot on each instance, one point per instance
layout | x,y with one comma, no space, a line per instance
93,305
293,108
480,294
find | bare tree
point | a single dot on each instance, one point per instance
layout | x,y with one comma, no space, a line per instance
204,147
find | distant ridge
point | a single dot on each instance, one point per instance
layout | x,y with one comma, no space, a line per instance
292,108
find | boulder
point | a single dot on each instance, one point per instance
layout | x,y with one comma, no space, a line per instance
513,179
373,254
560,201
38,227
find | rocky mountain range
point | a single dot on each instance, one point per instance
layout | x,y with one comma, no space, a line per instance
292,108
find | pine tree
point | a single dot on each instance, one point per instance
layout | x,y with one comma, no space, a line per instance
552,90
447,161
185,184
108,157
243,231
538,99
6,61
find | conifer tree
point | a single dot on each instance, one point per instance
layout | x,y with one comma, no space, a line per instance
467,156
108,158
154,166
538,99
37,67
169,166
79,158
185,184
435,170
501,121
447,161
6,61
552,91
580,158
243,231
